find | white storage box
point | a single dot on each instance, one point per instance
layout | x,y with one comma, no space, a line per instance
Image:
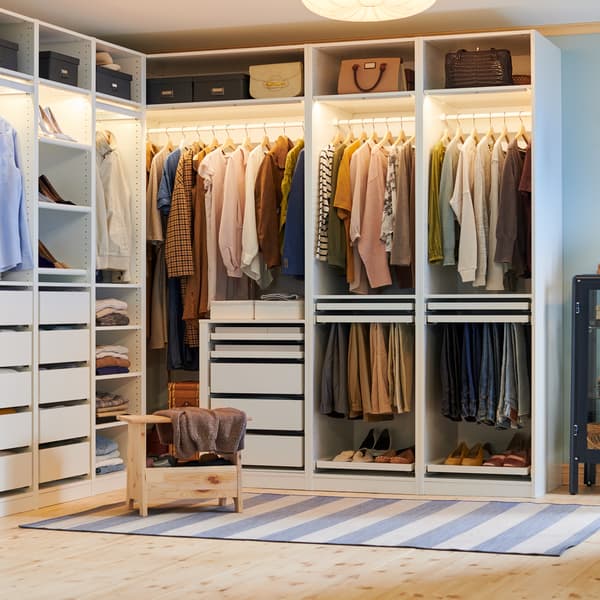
64,345
64,422
15,430
64,308
267,413
232,310
61,385
256,378
273,451
16,471
61,462
16,307
275,310
15,348
15,389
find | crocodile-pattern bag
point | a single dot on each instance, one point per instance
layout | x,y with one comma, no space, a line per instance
478,68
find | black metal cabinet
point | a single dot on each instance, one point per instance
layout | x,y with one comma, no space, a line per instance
585,380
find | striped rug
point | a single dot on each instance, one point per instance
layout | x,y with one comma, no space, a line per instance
495,526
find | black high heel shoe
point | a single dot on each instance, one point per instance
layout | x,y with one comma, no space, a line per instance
383,443
369,441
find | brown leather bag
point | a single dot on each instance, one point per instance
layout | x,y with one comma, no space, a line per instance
364,75
182,394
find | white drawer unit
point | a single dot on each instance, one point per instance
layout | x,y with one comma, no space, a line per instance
273,451
15,348
232,309
15,430
267,413
16,307
64,308
16,471
64,422
64,345
15,389
257,378
275,310
61,385
61,462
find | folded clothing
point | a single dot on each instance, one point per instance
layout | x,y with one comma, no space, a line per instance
109,469
109,311
110,303
112,410
106,457
108,462
112,319
104,399
105,445
112,361
112,349
278,296
112,354
111,370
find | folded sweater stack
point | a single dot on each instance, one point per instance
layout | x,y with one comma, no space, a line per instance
108,457
110,405
112,359
111,312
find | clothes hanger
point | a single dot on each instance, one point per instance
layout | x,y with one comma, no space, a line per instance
458,134
373,137
350,137
401,136
338,138
182,143
228,145
521,134
474,133
388,138
247,143
446,137
490,132
266,142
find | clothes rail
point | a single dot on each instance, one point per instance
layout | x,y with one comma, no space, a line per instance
486,115
234,126
373,121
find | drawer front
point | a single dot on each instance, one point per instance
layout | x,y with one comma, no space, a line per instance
15,389
64,308
15,430
15,348
64,346
16,307
64,461
265,310
16,471
257,378
273,451
278,415
61,385
64,422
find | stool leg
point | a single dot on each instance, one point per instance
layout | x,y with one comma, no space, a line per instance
222,501
238,503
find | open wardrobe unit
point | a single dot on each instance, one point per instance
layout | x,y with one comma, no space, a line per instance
377,283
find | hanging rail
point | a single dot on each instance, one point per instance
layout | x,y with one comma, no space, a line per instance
227,127
486,115
375,120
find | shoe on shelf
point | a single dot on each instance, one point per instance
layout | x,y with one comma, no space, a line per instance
369,440
473,457
363,456
50,126
385,458
46,260
457,455
404,457
47,190
383,443
344,456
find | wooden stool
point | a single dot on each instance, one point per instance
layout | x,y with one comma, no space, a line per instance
148,485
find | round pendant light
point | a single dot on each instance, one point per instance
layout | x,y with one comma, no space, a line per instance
367,10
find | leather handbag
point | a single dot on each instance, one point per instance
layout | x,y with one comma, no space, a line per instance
478,68
182,394
364,75
279,80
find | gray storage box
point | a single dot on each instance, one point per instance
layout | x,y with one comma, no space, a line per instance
114,83
8,55
225,86
59,67
165,90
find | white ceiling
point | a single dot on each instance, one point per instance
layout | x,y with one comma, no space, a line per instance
161,25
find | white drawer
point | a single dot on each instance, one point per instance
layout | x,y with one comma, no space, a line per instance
61,385
64,345
275,414
64,422
257,378
63,308
15,389
274,310
232,309
16,307
15,430
16,471
15,348
273,451
61,462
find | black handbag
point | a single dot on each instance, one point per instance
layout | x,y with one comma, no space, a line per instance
478,68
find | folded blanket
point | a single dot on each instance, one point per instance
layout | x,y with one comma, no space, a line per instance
110,456
112,361
111,303
108,462
111,370
194,429
112,319
110,311
112,348
104,399
105,445
112,354
109,469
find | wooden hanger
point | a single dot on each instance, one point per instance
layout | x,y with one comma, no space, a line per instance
247,143
490,132
338,138
373,137
228,145
401,136
388,138
522,133
266,142
350,137
458,134
182,142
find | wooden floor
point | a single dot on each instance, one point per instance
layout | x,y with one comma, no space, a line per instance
56,565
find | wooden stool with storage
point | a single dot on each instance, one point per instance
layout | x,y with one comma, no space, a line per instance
150,485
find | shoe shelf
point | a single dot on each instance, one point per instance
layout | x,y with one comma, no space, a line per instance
118,328
111,425
329,464
364,309
66,208
63,273
63,284
130,375
440,467
64,143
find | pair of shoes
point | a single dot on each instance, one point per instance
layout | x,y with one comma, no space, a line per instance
46,189
46,260
49,125
344,456
516,454
378,446
406,456
470,457
363,455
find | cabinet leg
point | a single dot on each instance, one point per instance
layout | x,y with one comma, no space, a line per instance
589,474
573,477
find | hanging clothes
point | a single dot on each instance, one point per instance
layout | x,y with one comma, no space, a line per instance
390,200
447,178
450,371
336,236
434,225
334,373
495,271
481,196
292,258
15,242
286,183
380,407
325,201
401,366
167,181
359,371
116,197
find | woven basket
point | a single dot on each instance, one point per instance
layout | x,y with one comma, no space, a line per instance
593,436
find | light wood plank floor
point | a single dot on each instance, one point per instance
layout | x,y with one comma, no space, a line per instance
54,565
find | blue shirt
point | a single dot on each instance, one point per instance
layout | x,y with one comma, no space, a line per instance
167,182
292,259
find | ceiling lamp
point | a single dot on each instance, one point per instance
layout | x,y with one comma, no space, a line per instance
367,10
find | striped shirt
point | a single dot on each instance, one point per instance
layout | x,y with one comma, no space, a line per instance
325,201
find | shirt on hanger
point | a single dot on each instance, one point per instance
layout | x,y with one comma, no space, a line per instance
293,241
434,224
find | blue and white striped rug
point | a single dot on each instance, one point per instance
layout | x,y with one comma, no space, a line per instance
474,526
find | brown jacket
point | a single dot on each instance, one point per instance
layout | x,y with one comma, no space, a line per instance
267,195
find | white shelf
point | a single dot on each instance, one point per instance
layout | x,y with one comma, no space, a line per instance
100,426
118,286
256,354
257,322
505,96
118,328
64,143
257,336
359,466
113,104
366,298
372,318
63,284
130,375
381,102
63,272
67,208
9,283
439,467
479,296
15,82
63,87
